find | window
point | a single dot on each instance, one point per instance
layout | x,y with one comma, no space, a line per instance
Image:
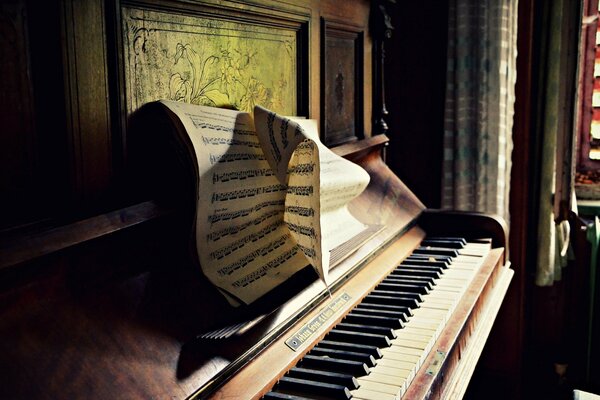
588,155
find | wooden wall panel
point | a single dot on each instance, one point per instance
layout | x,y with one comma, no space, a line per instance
17,141
87,99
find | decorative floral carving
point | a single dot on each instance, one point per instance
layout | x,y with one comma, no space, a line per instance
196,86
209,61
216,79
256,94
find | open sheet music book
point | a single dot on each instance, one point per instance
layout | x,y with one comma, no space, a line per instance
271,198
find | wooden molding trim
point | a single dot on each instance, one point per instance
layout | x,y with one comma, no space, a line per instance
27,247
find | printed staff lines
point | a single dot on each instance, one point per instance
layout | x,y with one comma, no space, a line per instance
232,230
274,148
302,230
252,256
233,157
246,211
201,124
302,169
300,211
242,175
252,238
244,193
262,271
220,141
308,251
300,190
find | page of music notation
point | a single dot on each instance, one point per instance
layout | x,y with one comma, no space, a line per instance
272,198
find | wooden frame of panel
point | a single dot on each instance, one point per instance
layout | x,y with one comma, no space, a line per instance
341,82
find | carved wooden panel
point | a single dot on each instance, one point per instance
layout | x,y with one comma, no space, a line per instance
200,57
341,82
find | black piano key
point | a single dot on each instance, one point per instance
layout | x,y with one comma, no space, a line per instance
436,251
399,275
397,293
308,387
426,263
355,368
372,309
408,281
284,396
437,257
378,330
428,257
374,304
358,337
402,287
421,267
391,300
355,317
412,272
363,348
446,243
344,355
336,378
448,238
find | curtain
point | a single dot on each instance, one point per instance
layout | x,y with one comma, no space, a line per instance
559,30
481,76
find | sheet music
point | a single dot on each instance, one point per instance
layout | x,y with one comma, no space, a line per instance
319,181
261,214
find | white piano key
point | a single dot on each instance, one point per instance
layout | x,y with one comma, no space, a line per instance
434,304
379,387
395,372
409,358
375,376
402,350
365,394
428,313
440,295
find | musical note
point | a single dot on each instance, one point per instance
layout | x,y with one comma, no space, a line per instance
262,271
241,175
235,229
238,244
253,255
301,211
300,190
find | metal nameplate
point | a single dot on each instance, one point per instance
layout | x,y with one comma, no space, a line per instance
305,333
436,364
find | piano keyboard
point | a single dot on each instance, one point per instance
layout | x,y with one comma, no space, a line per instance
376,350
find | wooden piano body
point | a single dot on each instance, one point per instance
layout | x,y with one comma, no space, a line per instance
134,334
109,306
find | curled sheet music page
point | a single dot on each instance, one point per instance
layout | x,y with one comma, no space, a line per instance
270,200
244,246
320,185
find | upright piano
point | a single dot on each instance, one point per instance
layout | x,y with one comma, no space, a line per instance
408,315
110,305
